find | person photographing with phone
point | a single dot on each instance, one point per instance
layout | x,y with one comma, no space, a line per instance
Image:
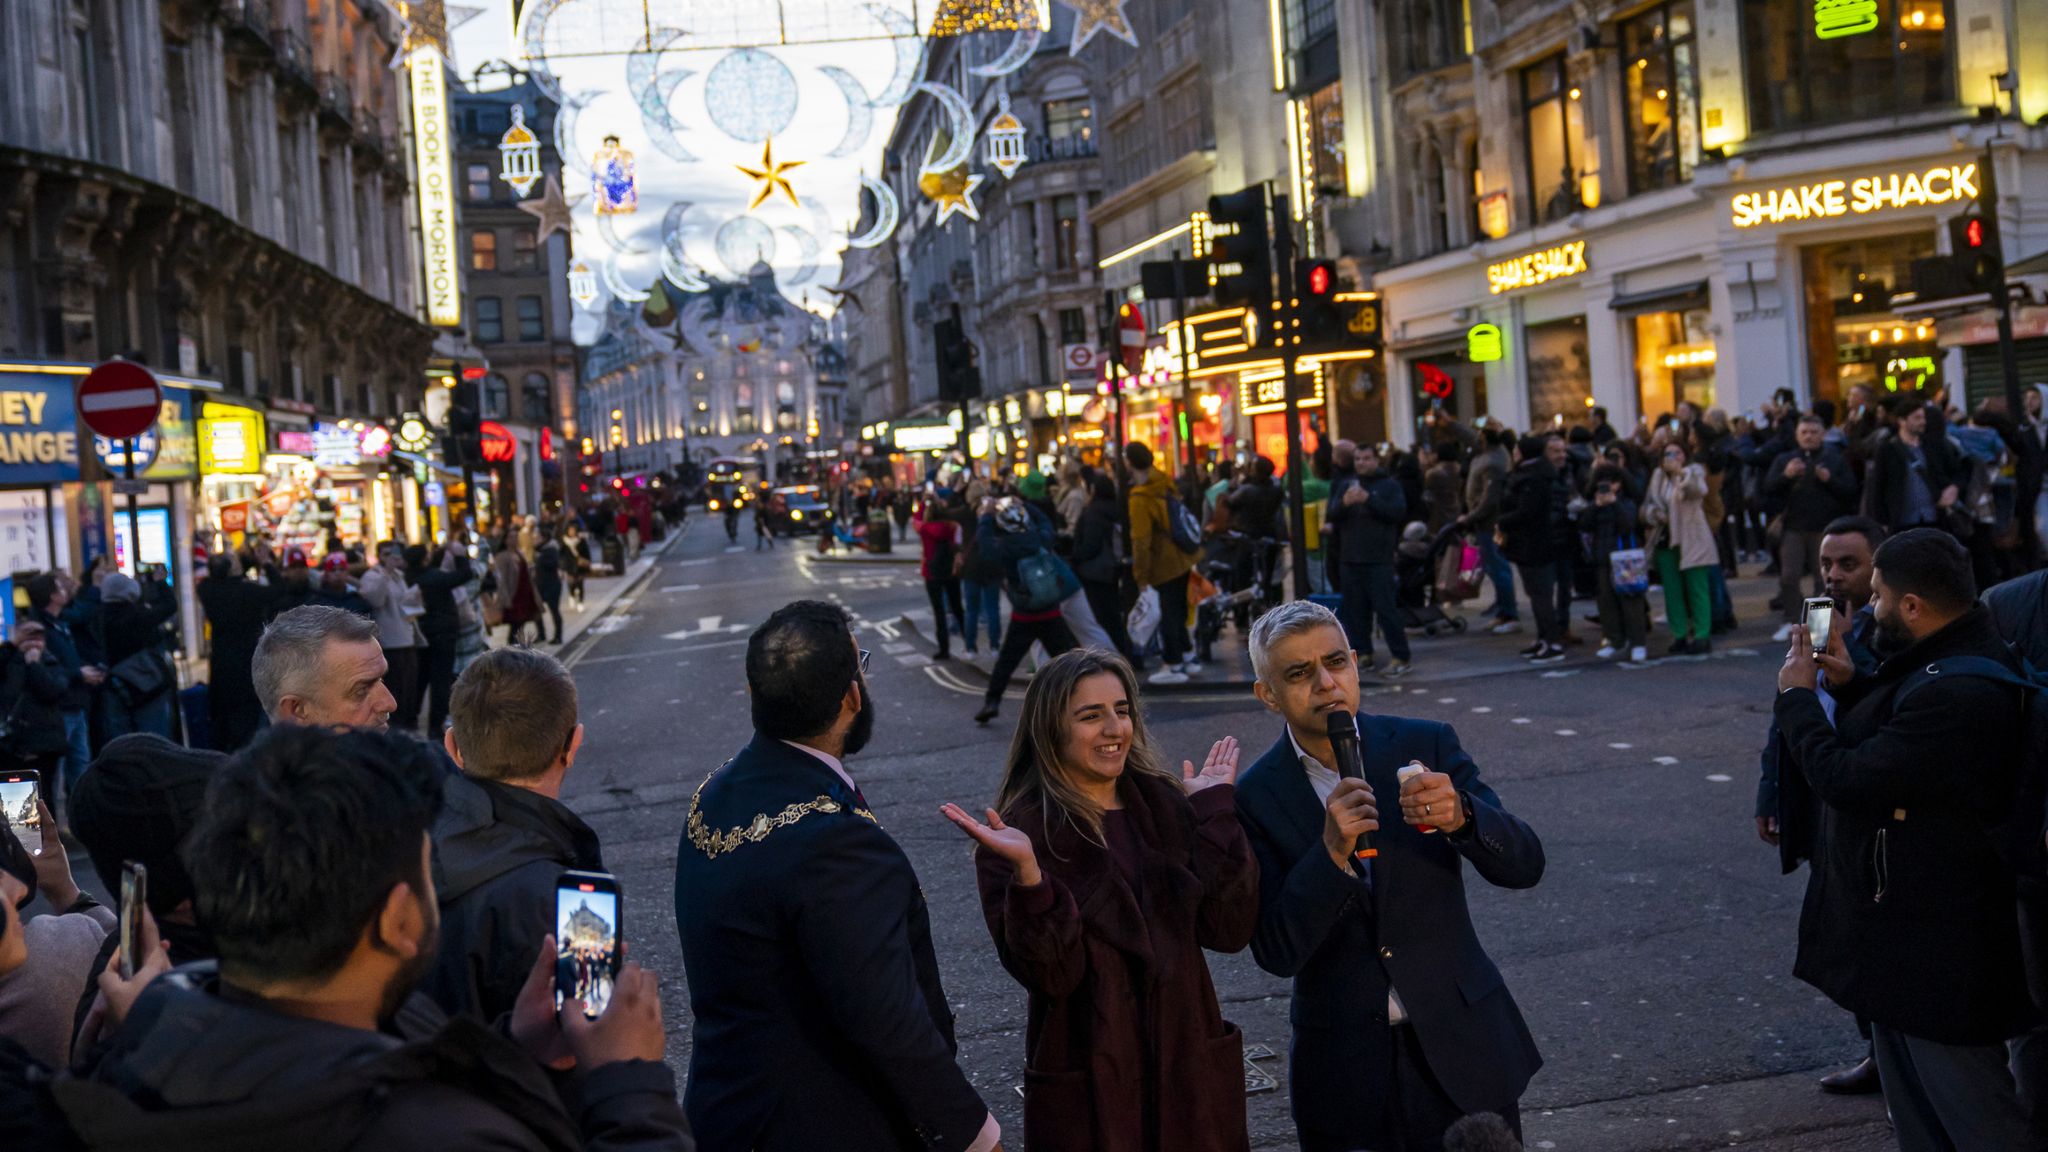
1412,1025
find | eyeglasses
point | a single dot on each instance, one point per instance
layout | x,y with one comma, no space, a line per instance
864,654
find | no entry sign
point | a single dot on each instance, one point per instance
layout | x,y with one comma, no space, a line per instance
119,399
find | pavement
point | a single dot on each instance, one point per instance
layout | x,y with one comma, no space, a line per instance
1653,963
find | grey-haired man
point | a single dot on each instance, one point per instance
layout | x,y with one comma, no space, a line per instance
321,666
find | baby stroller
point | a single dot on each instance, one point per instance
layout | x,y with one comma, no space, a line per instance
1416,560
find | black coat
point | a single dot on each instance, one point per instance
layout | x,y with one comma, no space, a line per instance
498,851
1786,796
819,1018
441,620
67,643
195,1068
1808,503
1255,509
2019,610
1094,556
1893,466
131,627
1529,514
1909,917
30,699
1367,533
236,611
1342,942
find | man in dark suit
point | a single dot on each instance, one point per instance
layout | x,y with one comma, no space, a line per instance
820,1021
1401,1021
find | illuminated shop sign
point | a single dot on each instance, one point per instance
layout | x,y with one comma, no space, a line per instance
230,439
1531,269
1833,19
1262,392
923,437
1941,184
436,187
1483,344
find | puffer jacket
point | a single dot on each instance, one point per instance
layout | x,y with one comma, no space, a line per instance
1155,558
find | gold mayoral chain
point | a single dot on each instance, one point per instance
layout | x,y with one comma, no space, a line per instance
715,844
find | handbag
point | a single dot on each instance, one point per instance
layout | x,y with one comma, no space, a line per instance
1144,619
1628,569
140,677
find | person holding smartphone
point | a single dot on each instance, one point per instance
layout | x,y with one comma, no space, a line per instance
1813,485
36,1002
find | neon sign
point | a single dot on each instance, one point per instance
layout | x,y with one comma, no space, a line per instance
1941,184
1531,269
1834,19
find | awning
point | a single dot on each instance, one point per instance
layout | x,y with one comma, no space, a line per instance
1677,298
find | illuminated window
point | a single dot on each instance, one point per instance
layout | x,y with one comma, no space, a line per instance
1072,119
1326,139
1554,125
1661,81
1798,78
1853,336
483,250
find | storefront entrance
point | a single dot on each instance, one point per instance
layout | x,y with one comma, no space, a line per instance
1851,335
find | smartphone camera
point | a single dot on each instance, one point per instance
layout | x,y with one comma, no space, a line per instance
1820,621
18,804
587,934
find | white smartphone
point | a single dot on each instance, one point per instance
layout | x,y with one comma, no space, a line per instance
1820,622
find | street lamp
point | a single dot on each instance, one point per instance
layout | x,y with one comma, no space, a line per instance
618,443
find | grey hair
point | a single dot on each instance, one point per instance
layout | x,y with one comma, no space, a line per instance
289,653
1289,619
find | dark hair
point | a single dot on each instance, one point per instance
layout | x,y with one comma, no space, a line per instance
1138,456
220,565
1101,487
1532,445
1862,526
1905,404
1812,418
1930,564
304,835
1481,1132
1579,434
138,802
41,587
798,666
1824,411
1262,468
1600,413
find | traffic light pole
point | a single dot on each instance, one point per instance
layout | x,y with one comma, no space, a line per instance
1180,319
1112,353
2008,352
1283,313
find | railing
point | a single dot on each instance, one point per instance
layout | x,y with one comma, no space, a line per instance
250,18
334,96
294,55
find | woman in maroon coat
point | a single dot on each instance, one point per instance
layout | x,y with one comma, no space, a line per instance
1103,876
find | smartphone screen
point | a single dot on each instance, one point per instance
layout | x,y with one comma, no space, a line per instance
587,909
134,898
1820,620
18,803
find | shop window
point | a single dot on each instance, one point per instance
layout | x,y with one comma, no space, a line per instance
490,319
1066,232
1897,59
524,255
1450,380
1326,140
1554,129
1560,376
1661,81
1674,361
532,327
483,250
1073,326
1070,119
1851,335
479,181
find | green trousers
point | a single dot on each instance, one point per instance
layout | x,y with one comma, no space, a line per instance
1688,596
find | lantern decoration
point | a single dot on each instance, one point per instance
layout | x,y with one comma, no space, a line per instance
519,154
612,179
1005,139
582,284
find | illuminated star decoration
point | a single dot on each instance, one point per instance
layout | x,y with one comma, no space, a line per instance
770,174
1099,16
952,191
551,208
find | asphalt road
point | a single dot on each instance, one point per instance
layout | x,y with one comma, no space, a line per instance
1653,962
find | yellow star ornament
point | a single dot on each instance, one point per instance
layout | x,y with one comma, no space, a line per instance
952,191
770,174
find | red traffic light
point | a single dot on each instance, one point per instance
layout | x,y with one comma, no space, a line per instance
1319,280
1973,232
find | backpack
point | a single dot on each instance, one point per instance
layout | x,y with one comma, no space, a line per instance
1042,581
2018,841
1182,526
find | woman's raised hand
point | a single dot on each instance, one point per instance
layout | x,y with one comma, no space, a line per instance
1219,768
999,838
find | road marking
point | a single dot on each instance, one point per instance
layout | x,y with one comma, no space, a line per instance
1621,747
1520,720
663,654
1566,732
699,560
1561,673
1447,699
608,625
706,626
1719,778
889,631
899,648
1667,761
913,659
682,588
1482,710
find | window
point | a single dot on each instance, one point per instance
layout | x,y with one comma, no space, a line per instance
533,395
1066,232
490,319
1071,119
1186,119
1560,374
1674,360
524,258
531,326
1073,326
497,391
483,250
1432,35
1127,143
1796,78
1435,214
1853,337
1553,120
1326,140
479,181
1662,83
1308,21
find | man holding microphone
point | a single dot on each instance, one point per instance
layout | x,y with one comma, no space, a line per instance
1403,1024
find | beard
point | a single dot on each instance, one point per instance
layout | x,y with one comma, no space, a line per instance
863,729
1893,636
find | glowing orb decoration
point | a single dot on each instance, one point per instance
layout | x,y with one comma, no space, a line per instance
519,154
612,179
750,95
742,241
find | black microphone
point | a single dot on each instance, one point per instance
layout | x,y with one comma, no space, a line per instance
1350,756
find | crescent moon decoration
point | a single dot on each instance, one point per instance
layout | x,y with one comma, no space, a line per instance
808,245
532,38
565,134
887,211
674,260
909,54
651,88
1022,45
610,271
607,231
860,111
960,131
695,325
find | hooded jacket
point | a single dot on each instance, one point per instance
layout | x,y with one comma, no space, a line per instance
196,1067
1155,558
498,851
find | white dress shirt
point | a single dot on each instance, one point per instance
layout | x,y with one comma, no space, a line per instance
991,1132
1324,781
